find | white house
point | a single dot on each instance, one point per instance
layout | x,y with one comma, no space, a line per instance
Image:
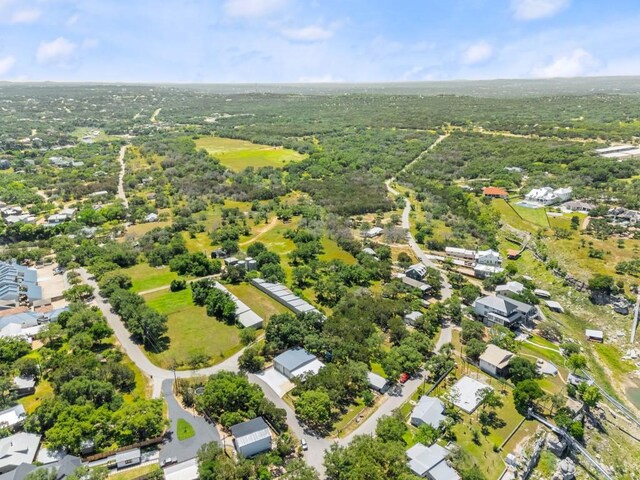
548,196
13,417
373,232
488,257
412,317
462,253
251,437
377,382
296,362
510,288
128,458
18,449
495,360
499,310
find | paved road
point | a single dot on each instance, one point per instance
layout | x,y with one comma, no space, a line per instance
121,193
446,336
162,380
184,449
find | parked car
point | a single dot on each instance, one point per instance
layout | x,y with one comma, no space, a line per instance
168,461
403,378
303,444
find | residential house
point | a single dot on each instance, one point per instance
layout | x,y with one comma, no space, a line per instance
495,192
296,362
428,411
13,417
23,386
495,360
424,288
618,151
505,311
18,449
577,206
251,437
510,289
484,271
377,382
488,257
416,272
431,462
412,317
548,196
150,218
182,471
17,280
370,251
373,232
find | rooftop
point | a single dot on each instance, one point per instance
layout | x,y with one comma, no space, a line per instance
496,356
465,393
294,358
428,410
250,431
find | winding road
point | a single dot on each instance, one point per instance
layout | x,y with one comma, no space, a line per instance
406,225
161,380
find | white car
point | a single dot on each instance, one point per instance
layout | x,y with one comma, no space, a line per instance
303,444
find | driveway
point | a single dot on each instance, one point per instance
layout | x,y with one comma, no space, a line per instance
184,449
276,381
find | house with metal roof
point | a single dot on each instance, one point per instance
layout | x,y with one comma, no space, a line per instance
431,462
500,310
251,437
284,296
554,306
18,449
488,257
182,471
412,317
424,288
377,382
510,289
495,360
428,411
416,272
296,362
13,417
373,232
594,335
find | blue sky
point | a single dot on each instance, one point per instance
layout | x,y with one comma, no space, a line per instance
316,40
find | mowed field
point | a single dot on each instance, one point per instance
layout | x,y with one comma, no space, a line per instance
191,331
240,154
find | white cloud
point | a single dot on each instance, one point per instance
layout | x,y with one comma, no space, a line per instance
578,63
535,9
252,8
89,43
72,20
479,52
57,51
312,33
26,16
327,78
6,64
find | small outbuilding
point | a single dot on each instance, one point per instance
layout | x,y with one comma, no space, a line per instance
128,458
431,462
594,335
377,382
251,437
412,317
554,306
538,292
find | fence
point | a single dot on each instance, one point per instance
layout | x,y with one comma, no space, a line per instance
145,443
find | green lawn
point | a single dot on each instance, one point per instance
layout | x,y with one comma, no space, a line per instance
185,430
259,302
532,218
333,252
191,331
43,390
240,154
146,277
136,473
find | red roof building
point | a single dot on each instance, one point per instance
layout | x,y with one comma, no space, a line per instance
495,192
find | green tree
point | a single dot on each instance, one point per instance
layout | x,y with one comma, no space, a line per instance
251,360
525,394
314,408
474,349
577,362
391,428
521,369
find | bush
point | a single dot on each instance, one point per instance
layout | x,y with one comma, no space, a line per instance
177,285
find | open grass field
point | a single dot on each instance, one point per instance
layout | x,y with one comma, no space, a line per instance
260,303
240,154
146,277
532,218
333,252
43,390
191,331
139,229
185,430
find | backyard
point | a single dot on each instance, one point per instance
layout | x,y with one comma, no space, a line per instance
195,339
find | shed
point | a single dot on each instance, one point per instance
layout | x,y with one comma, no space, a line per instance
428,411
538,292
182,471
594,335
23,386
251,437
430,462
377,382
128,458
554,306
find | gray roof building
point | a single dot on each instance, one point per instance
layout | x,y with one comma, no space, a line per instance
128,457
431,462
502,310
377,382
11,417
251,437
292,360
428,411
284,296
18,449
